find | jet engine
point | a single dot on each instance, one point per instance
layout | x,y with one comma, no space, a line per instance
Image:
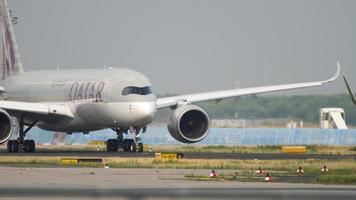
6,124
188,124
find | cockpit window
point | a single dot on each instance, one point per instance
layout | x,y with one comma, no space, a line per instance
136,90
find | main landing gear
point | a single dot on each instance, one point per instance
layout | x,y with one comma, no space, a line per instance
132,145
26,145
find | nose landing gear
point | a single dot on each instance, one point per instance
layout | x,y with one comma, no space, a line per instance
132,145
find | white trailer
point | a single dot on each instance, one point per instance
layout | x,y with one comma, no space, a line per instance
333,118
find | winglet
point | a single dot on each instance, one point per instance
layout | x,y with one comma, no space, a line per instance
350,92
337,73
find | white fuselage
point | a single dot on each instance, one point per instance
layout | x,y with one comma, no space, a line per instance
95,97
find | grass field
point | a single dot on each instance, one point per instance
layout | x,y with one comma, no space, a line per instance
340,171
335,177
316,149
312,149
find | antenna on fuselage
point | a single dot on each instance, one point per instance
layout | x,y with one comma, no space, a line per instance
237,84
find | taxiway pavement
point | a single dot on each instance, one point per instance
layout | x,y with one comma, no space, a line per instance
99,183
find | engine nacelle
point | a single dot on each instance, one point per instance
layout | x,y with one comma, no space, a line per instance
6,124
189,124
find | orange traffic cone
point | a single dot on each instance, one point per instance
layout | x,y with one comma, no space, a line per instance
268,178
300,170
213,173
324,169
259,171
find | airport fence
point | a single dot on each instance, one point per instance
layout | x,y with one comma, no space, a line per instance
219,136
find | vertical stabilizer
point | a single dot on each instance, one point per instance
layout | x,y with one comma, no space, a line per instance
11,57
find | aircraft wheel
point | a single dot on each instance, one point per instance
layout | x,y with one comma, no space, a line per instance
112,145
9,146
133,147
126,144
108,145
140,147
29,146
13,146
115,145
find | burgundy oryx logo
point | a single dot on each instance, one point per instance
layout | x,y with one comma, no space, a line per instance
8,48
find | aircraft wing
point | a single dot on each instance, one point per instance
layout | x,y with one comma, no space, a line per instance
222,94
28,109
353,98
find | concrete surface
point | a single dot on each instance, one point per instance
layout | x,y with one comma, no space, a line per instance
100,183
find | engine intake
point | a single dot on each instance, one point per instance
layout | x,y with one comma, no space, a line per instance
5,126
188,124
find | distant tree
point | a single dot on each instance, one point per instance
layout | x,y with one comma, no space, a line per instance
304,107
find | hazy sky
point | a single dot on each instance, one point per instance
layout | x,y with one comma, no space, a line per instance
194,45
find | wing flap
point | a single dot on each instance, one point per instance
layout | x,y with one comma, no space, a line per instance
223,94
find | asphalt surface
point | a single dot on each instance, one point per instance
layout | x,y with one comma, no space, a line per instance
182,193
116,183
200,155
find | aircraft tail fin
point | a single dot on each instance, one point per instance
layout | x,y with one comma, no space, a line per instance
353,98
11,57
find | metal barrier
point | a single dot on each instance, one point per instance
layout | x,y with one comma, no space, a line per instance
294,149
76,161
223,136
168,156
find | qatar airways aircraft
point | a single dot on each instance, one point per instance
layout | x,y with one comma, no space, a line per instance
353,98
84,100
